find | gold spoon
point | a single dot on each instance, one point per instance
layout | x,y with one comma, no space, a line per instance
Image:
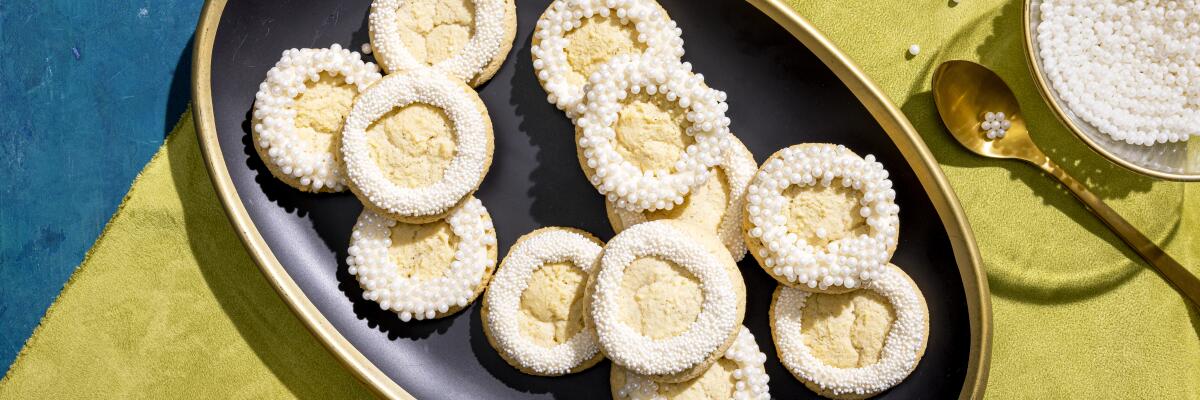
964,91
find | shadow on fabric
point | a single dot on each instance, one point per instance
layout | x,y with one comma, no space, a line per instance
261,318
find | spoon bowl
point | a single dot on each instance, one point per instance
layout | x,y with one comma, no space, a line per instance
964,92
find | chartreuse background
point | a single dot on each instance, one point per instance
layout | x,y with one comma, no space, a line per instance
166,303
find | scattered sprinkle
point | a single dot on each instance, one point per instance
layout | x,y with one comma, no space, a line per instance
914,49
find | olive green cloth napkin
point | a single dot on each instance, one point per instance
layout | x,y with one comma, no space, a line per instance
167,304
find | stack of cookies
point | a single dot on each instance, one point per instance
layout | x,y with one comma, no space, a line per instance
413,145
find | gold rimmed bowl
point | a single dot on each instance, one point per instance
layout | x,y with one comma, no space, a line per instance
1179,161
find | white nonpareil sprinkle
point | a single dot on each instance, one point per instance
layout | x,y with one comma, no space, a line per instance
905,339
995,124
274,115
1129,68
914,49
624,184
718,318
750,377
654,29
846,262
366,48
420,298
503,299
484,45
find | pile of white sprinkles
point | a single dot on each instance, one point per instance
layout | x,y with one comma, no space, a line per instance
1129,68
995,124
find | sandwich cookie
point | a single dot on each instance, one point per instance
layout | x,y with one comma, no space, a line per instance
852,345
650,132
820,217
533,311
416,144
667,302
298,114
574,37
467,39
739,374
424,271
716,206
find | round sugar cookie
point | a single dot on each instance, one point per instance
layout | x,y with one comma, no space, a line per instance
467,39
650,132
739,374
715,207
667,302
533,311
424,271
298,114
574,37
820,217
416,144
856,344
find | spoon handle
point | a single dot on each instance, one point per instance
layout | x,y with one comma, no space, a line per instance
1176,274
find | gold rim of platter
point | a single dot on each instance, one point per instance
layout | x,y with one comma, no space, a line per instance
897,126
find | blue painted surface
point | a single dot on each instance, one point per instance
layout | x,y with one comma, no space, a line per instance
88,89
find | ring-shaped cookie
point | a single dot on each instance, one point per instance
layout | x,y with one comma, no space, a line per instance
738,167
750,379
473,145
902,349
654,30
502,302
683,356
424,297
842,264
492,37
277,139
620,181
